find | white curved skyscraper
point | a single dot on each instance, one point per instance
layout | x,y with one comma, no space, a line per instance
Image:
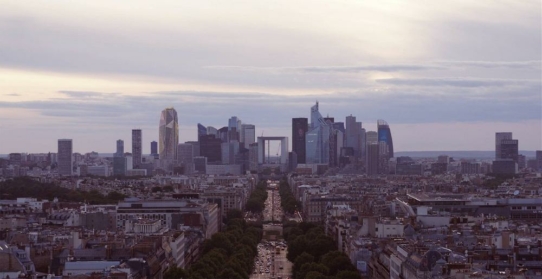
168,137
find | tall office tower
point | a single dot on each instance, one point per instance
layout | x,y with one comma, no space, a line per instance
210,147
317,138
234,122
384,134
539,159
383,157
222,134
212,131
253,157
196,146
120,148
229,151
300,126
119,165
363,142
154,147
65,160
498,138
168,136
248,134
137,148
371,160
371,137
233,135
329,119
335,146
202,130
509,149
185,152
352,134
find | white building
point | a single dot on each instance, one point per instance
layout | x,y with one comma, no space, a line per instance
389,229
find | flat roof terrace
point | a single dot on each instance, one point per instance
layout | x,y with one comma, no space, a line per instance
437,199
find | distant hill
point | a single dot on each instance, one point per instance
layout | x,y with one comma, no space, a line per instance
458,154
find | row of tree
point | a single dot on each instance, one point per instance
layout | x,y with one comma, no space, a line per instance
26,187
228,254
287,199
256,201
315,254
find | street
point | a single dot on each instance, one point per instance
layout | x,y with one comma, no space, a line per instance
271,262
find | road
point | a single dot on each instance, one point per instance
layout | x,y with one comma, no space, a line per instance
268,263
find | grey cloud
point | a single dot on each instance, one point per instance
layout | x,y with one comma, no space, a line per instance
376,68
13,94
455,82
397,105
530,64
334,69
216,95
87,94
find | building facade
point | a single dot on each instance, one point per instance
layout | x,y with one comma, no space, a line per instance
384,134
317,138
137,147
65,158
168,137
300,127
509,149
498,138
248,134
120,148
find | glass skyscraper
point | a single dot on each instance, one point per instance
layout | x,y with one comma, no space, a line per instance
317,138
202,130
168,138
384,134
300,127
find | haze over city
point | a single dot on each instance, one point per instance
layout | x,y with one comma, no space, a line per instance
444,76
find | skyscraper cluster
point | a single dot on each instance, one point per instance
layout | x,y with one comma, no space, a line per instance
326,142
226,146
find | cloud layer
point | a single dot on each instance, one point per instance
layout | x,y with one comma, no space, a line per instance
100,67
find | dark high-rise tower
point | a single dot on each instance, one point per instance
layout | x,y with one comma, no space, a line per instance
136,147
300,126
498,138
65,158
211,148
371,160
154,147
384,134
120,148
353,135
509,149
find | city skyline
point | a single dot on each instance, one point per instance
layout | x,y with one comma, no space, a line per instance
454,73
195,130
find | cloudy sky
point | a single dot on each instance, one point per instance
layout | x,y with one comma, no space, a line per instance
446,75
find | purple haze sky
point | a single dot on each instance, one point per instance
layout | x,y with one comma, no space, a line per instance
446,75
